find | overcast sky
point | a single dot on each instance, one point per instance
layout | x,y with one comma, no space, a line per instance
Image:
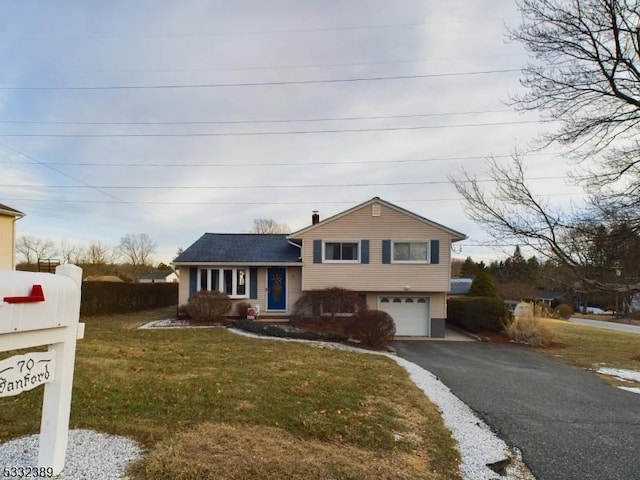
224,112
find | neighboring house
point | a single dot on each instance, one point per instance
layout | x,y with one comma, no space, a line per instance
8,217
104,278
460,286
548,296
399,261
159,276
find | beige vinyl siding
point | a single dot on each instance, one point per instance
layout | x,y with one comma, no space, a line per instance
183,286
376,276
7,242
294,286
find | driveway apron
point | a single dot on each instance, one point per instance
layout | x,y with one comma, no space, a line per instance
568,423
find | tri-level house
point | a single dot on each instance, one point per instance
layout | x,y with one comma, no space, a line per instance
8,217
399,261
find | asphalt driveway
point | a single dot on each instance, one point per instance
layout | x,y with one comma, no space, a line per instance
567,422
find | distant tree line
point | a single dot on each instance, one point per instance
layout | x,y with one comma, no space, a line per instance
518,277
126,260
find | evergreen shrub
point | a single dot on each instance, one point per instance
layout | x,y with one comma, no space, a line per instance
478,314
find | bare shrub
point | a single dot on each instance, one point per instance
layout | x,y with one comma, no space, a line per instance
372,328
543,310
242,308
564,311
208,306
530,330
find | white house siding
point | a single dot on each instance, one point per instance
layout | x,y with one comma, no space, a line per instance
376,276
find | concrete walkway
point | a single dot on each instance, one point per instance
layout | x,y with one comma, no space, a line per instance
620,327
450,335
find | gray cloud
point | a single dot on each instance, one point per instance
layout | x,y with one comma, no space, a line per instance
155,43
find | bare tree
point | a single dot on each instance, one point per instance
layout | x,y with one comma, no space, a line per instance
512,213
137,248
71,253
35,249
588,65
99,253
585,74
268,225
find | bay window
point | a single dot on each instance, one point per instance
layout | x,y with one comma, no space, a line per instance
232,281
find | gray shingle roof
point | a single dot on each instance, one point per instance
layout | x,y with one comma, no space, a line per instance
240,248
156,274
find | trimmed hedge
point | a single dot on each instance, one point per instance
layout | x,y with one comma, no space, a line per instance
104,298
478,314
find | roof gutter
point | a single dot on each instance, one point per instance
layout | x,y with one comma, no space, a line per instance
237,264
296,245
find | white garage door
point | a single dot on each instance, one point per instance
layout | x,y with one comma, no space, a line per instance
410,314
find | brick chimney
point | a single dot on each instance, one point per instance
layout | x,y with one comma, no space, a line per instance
315,217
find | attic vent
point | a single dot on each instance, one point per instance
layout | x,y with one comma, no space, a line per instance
375,210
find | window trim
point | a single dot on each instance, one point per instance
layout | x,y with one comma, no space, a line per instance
411,262
221,283
358,244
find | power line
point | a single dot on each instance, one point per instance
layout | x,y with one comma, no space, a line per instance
248,187
84,184
282,67
272,83
228,33
274,164
241,122
300,202
251,32
266,133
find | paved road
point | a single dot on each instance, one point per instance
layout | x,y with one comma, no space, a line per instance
621,327
569,424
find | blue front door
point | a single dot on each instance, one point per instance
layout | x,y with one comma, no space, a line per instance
277,288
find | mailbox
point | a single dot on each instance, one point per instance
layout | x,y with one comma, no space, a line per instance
37,301
42,309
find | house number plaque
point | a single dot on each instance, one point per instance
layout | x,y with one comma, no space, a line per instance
25,372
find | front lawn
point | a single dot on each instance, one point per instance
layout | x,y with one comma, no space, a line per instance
206,403
590,347
594,348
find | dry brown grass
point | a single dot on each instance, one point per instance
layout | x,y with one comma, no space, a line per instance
530,330
589,347
220,451
203,402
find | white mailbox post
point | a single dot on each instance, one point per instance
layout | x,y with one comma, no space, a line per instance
42,309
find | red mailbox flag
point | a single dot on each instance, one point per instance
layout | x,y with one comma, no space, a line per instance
37,295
